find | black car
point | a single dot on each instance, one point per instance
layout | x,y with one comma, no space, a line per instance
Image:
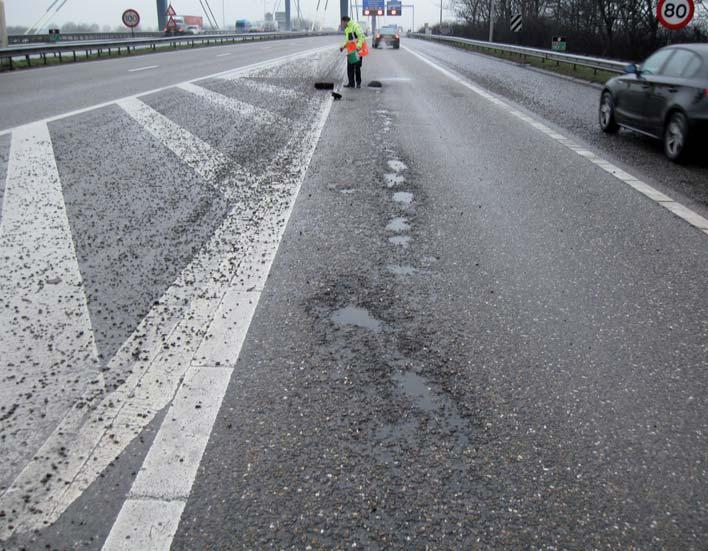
390,35
665,97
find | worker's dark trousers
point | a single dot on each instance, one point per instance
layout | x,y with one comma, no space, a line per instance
354,69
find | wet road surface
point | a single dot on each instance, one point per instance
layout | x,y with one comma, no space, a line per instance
473,334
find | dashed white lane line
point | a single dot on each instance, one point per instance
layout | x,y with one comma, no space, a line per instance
160,492
645,189
146,68
234,105
44,318
224,55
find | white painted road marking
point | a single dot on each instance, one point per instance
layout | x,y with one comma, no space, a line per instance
47,339
645,189
236,106
200,156
143,68
164,483
97,429
224,55
223,74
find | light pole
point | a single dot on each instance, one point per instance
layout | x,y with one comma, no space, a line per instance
491,20
3,26
441,1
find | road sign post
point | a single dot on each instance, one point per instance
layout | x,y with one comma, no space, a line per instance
131,18
675,14
3,26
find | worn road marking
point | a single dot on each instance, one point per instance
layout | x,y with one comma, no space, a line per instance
147,68
228,73
48,345
163,481
224,55
264,87
199,155
236,106
157,355
645,189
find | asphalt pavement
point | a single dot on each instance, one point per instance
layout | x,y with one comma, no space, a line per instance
427,316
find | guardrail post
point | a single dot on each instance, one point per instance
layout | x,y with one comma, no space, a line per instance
74,52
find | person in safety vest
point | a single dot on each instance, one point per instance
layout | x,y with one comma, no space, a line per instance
353,45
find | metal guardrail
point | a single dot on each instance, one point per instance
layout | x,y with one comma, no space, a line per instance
15,39
28,52
595,63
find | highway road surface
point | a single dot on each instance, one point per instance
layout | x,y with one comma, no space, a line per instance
446,313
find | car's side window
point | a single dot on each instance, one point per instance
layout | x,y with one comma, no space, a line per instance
654,64
678,63
692,67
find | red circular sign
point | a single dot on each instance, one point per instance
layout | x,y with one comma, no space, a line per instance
131,18
675,14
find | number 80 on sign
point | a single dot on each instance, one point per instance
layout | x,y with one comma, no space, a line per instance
675,14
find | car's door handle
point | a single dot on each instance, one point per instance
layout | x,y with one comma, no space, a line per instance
673,90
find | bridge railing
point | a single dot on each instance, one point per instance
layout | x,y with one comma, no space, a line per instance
594,63
40,52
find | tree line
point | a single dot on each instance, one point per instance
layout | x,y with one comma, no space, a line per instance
623,29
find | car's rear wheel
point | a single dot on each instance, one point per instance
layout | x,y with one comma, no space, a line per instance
676,137
608,124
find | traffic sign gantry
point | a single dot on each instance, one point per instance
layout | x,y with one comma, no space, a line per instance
131,18
675,14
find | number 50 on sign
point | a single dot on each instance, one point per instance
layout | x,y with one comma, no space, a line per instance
675,14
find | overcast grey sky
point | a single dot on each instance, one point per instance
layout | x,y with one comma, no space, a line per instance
108,12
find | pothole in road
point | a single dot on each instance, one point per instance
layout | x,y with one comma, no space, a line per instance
398,224
393,180
403,197
396,165
358,317
402,240
401,270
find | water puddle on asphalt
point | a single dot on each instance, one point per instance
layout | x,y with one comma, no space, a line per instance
402,240
401,270
404,197
358,317
396,165
398,225
416,387
393,180
426,397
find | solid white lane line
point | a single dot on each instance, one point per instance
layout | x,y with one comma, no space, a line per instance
229,72
236,106
147,68
199,155
172,461
164,481
130,532
665,201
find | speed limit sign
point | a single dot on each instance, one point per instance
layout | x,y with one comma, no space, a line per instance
131,18
675,14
